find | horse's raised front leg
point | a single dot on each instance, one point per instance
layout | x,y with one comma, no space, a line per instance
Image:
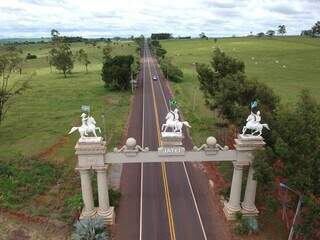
257,131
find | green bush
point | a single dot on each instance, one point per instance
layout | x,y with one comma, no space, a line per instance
114,197
31,56
74,202
173,73
245,225
90,229
225,192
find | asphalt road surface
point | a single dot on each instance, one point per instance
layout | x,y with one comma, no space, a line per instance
162,201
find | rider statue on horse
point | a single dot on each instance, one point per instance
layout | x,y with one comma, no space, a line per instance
253,122
172,120
88,126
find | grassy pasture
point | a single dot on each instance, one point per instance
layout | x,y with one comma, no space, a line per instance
287,64
35,128
300,56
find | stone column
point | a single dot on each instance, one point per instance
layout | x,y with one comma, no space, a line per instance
233,206
248,204
104,209
87,196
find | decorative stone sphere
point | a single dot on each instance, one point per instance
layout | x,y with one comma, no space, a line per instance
131,142
211,141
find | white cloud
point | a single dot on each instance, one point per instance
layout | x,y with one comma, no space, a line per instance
100,18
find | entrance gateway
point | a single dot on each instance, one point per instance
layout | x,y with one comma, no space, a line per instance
92,155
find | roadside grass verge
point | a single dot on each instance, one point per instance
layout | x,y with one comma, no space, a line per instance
34,144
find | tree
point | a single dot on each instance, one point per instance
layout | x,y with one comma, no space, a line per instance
157,49
298,166
270,33
116,72
261,34
159,36
203,36
227,91
171,71
306,33
62,58
82,57
91,228
9,61
282,29
55,37
160,52
316,28
106,51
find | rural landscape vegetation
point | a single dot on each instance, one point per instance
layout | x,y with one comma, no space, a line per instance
45,81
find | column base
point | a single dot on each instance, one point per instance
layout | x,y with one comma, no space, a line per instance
87,214
230,212
249,211
108,215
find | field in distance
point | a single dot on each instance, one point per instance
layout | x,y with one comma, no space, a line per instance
287,64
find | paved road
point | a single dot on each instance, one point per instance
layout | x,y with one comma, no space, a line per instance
162,201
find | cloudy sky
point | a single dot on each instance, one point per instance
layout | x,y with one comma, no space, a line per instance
107,18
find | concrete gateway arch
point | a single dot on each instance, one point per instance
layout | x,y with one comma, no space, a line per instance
92,155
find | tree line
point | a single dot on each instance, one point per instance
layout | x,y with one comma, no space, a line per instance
171,71
313,32
292,153
161,36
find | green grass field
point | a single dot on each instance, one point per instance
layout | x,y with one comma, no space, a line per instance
36,127
264,60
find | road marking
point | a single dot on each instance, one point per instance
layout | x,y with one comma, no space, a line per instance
142,143
164,174
184,165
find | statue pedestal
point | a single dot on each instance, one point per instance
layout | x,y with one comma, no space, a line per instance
171,144
249,142
90,151
246,145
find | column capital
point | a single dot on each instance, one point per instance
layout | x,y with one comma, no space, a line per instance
101,169
238,166
83,169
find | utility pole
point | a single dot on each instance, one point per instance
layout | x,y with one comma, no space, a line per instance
283,185
103,115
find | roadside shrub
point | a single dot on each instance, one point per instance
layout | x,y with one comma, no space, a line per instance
114,197
225,192
31,56
74,202
245,225
171,71
91,228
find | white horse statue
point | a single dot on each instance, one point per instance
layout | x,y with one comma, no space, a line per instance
88,126
172,121
253,123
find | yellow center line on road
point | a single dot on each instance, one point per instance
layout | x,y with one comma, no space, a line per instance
163,166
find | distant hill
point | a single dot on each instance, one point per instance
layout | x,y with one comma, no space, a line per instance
21,40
